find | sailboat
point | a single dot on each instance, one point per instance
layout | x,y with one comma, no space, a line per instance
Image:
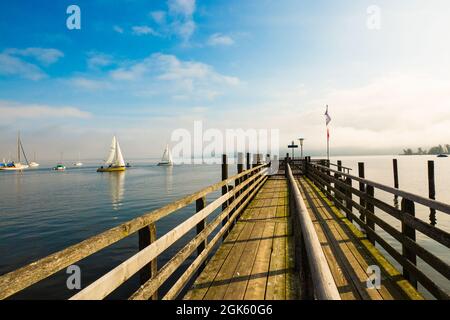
34,164
115,161
78,163
14,166
166,159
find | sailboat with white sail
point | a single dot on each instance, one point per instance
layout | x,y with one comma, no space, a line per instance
166,159
115,161
78,163
15,166
34,164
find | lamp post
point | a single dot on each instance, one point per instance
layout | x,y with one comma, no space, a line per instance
301,147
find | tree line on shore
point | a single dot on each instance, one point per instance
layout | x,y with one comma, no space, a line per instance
440,149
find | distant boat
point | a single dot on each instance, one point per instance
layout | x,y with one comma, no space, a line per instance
60,166
78,163
115,160
442,156
34,164
166,159
15,166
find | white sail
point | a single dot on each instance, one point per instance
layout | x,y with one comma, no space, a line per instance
112,152
167,157
118,161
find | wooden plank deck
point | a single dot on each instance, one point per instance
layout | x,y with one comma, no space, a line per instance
256,259
349,252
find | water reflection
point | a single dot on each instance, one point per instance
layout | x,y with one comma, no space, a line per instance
116,183
169,178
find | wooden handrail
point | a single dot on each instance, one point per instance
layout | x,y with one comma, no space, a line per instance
341,193
434,204
323,281
433,232
102,287
148,289
34,272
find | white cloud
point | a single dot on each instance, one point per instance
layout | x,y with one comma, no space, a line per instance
118,29
158,16
45,56
143,30
90,84
13,66
387,113
14,111
98,60
171,76
182,7
219,39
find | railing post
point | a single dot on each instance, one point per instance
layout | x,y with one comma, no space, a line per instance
200,205
147,236
286,161
371,208
395,167
348,201
361,174
305,168
248,161
240,168
408,207
338,176
431,190
224,188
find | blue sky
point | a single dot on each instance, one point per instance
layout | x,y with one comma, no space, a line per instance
141,69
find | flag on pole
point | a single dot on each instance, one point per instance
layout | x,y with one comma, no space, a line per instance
327,117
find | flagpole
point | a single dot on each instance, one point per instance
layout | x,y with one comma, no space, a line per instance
328,145
327,121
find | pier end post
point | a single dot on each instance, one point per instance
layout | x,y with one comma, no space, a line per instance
362,188
147,236
431,190
408,207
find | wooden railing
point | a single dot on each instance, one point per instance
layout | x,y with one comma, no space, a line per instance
233,201
338,186
316,280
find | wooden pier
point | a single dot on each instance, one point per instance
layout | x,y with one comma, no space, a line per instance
303,230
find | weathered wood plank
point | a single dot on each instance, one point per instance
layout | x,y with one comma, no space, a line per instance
276,281
391,274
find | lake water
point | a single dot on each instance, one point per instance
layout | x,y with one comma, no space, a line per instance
43,211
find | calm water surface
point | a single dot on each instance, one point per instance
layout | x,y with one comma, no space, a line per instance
43,211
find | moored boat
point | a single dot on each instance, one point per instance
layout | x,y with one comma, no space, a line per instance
16,166
78,163
166,159
114,162
59,167
34,164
